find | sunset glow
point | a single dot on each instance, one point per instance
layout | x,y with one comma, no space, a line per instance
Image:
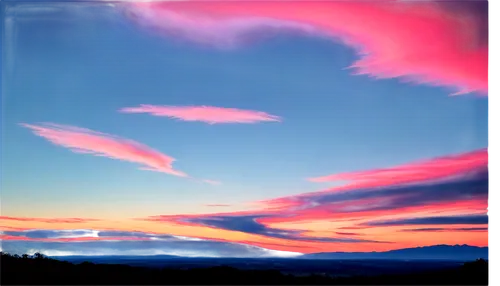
244,128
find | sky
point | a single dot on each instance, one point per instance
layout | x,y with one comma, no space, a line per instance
243,129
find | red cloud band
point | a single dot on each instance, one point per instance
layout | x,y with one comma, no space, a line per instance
425,42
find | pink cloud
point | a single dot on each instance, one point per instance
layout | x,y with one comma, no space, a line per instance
86,141
209,114
427,42
49,220
418,171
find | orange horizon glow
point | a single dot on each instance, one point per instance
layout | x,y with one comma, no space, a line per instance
332,220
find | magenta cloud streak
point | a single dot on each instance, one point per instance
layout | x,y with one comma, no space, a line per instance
208,114
80,140
428,42
429,169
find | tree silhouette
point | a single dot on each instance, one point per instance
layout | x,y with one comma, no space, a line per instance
41,270
38,255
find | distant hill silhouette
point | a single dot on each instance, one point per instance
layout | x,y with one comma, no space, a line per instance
125,250
40,270
441,252
462,252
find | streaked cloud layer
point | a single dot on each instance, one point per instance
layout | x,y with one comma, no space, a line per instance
391,37
455,185
437,193
250,224
85,141
208,114
380,216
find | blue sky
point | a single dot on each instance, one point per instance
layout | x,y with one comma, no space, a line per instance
80,67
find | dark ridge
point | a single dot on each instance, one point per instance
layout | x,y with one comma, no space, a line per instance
41,270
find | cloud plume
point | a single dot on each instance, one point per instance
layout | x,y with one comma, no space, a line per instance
80,140
208,114
430,42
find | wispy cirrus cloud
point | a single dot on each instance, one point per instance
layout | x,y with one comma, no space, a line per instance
85,141
391,37
208,114
49,220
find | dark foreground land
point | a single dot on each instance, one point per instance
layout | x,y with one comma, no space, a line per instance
40,270
294,266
